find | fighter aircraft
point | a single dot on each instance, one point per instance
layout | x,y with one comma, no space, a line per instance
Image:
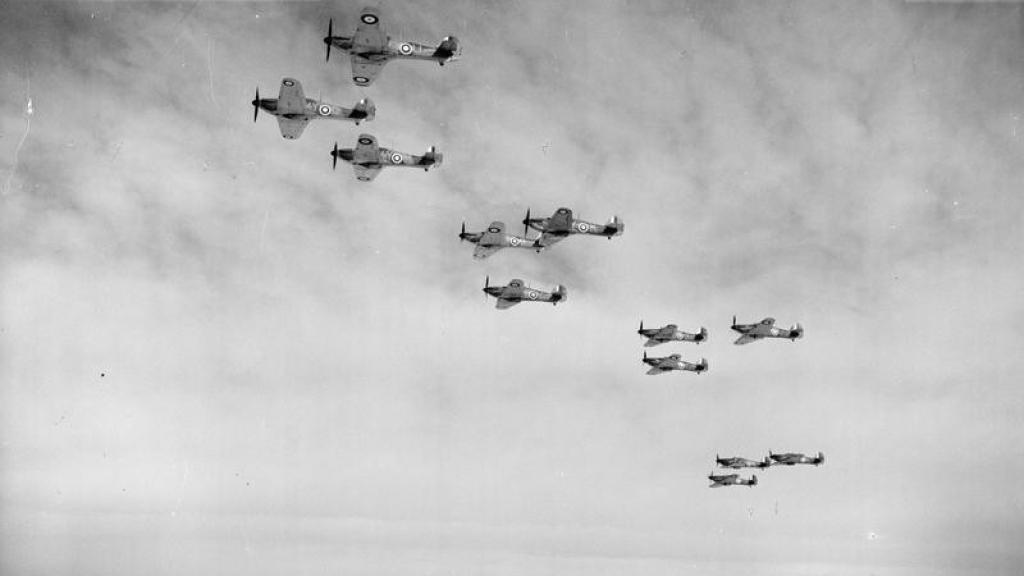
765,329
736,463
493,239
670,333
371,47
719,481
673,362
561,224
367,158
793,458
294,110
516,292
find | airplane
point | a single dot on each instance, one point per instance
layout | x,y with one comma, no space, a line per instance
719,481
790,459
737,463
368,158
673,362
670,333
516,292
765,329
561,224
294,110
493,239
371,47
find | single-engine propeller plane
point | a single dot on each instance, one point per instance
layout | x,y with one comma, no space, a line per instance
765,329
722,480
736,463
673,362
371,47
562,224
493,239
368,158
516,292
294,110
670,333
793,458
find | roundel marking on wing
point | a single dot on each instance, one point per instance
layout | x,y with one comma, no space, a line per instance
361,80
396,158
325,110
532,295
369,18
582,226
363,178
365,141
406,48
494,229
289,83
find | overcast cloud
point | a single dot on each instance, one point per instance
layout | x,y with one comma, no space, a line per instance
219,356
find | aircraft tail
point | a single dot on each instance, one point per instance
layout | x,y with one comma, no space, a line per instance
820,459
703,366
702,336
614,227
753,480
797,331
432,157
449,49
365,109
559,295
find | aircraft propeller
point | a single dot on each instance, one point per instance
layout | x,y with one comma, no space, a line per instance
462,236
487,284
526,223
256,105
641,327
330,35
335,155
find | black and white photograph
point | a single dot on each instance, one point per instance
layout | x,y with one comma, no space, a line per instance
511,288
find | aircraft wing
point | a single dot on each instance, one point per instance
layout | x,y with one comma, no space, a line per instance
370,36
367,150
291,128
550,238
656,370
481,251
503,303
745,339
366,173
365,70
291,99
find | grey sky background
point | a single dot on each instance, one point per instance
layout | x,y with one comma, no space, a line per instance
221,357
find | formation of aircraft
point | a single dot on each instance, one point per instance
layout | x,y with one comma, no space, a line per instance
765,329
673,362
562,224
515,292
370,47
670,333
720,481
794,458
736,462
294,110
493,239
368,158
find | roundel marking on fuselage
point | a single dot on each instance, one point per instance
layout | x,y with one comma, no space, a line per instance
325,110
532,295
582,226
406,48
514,241
396,158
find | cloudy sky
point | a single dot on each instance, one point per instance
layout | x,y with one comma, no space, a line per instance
219,356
